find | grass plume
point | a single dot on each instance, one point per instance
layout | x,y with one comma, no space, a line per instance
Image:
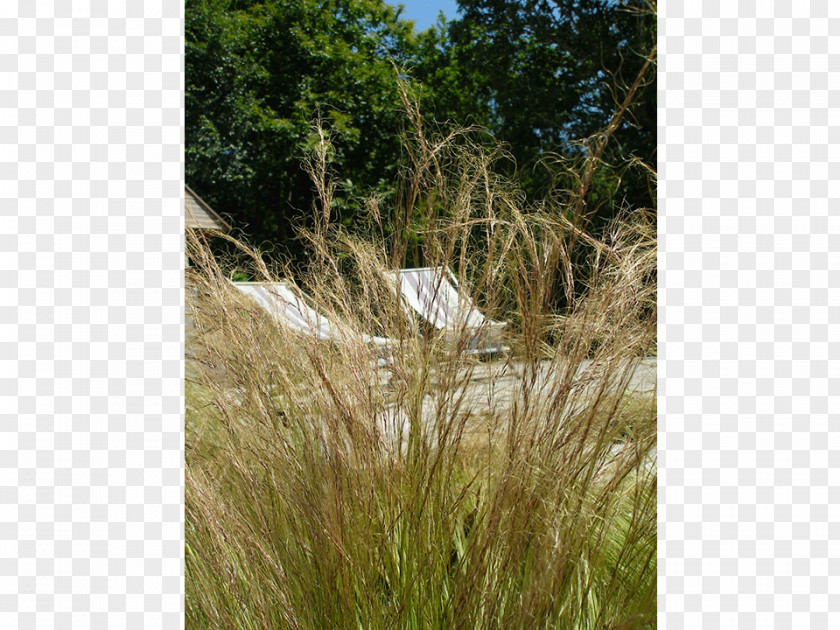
323,491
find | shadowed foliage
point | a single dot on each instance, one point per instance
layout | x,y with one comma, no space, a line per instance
541,75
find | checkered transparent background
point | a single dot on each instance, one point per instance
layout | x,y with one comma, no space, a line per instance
91,314
749,258
91,317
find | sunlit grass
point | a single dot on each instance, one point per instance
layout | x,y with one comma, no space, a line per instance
324,491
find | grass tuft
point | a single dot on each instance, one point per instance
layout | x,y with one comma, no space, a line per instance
323,491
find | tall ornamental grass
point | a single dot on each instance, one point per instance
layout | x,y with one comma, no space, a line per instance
327,490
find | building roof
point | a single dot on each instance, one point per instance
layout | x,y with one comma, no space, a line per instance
199,215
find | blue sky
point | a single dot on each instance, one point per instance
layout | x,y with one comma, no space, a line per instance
425,12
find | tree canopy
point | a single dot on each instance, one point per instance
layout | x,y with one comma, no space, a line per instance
539,74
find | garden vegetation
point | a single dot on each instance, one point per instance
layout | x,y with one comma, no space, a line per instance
325,490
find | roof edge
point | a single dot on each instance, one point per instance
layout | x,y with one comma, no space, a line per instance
225,225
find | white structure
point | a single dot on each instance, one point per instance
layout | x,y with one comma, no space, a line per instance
287,306
432,292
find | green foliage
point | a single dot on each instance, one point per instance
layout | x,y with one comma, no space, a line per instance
540,75
544,74
258,73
